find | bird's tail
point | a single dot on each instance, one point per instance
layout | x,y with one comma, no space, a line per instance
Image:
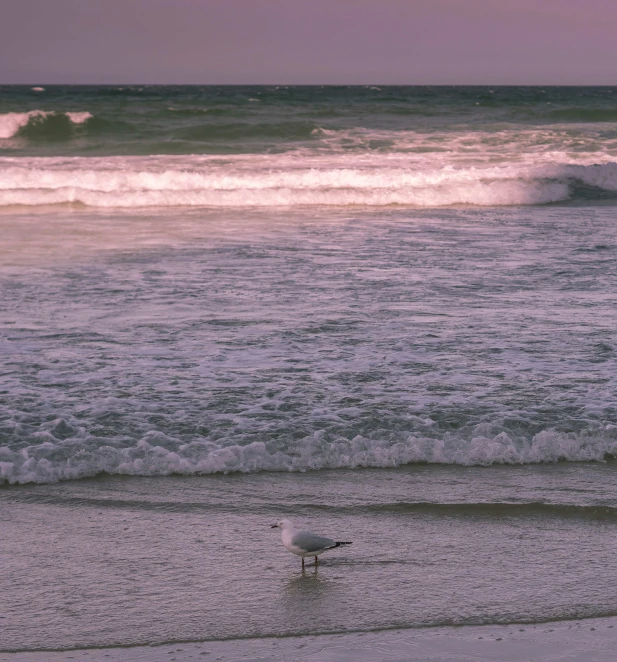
340,544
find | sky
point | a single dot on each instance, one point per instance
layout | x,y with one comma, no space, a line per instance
309,41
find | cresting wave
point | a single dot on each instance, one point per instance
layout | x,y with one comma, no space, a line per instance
12,124
293,180
80,456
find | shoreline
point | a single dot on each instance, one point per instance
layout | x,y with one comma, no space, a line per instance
594,640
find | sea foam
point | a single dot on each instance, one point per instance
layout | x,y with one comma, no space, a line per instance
157,454
284,180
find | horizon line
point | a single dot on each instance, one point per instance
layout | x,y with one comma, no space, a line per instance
282,84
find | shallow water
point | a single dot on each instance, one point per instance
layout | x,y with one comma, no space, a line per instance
124,561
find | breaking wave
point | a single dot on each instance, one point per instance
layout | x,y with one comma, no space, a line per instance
133,182
41,124
66,453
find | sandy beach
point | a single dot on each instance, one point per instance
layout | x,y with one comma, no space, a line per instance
592,640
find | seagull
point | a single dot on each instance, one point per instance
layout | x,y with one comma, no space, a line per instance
303,543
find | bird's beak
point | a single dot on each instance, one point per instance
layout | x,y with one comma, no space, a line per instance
274,526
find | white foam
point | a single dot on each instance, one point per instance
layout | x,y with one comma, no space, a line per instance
284,180
339,167
159,455
79,117
11,123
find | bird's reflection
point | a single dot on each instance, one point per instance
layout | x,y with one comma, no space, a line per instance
306,584
308,596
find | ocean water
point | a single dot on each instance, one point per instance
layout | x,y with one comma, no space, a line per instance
389,314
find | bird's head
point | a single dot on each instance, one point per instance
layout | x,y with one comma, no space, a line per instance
283,524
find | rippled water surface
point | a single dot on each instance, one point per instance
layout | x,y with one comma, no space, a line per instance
124,561
265,146
304,342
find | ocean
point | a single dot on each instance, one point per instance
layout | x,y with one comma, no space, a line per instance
386,313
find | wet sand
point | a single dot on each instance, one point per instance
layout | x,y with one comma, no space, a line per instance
592,640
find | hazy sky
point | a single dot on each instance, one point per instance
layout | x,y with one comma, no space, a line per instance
309,41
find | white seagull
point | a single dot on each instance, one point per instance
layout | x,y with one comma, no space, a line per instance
303,543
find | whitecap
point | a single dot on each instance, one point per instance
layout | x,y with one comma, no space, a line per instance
11,123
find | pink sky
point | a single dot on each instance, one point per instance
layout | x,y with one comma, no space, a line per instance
309,41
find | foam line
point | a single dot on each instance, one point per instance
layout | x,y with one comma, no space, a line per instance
127,182
159,455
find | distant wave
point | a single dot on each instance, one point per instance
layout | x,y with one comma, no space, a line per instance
283,180
248,131
584,114
210,111
72,454
40,123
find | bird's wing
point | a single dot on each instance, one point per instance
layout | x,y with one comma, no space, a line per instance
310,542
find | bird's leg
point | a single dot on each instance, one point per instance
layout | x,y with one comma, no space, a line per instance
303,563
316,561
